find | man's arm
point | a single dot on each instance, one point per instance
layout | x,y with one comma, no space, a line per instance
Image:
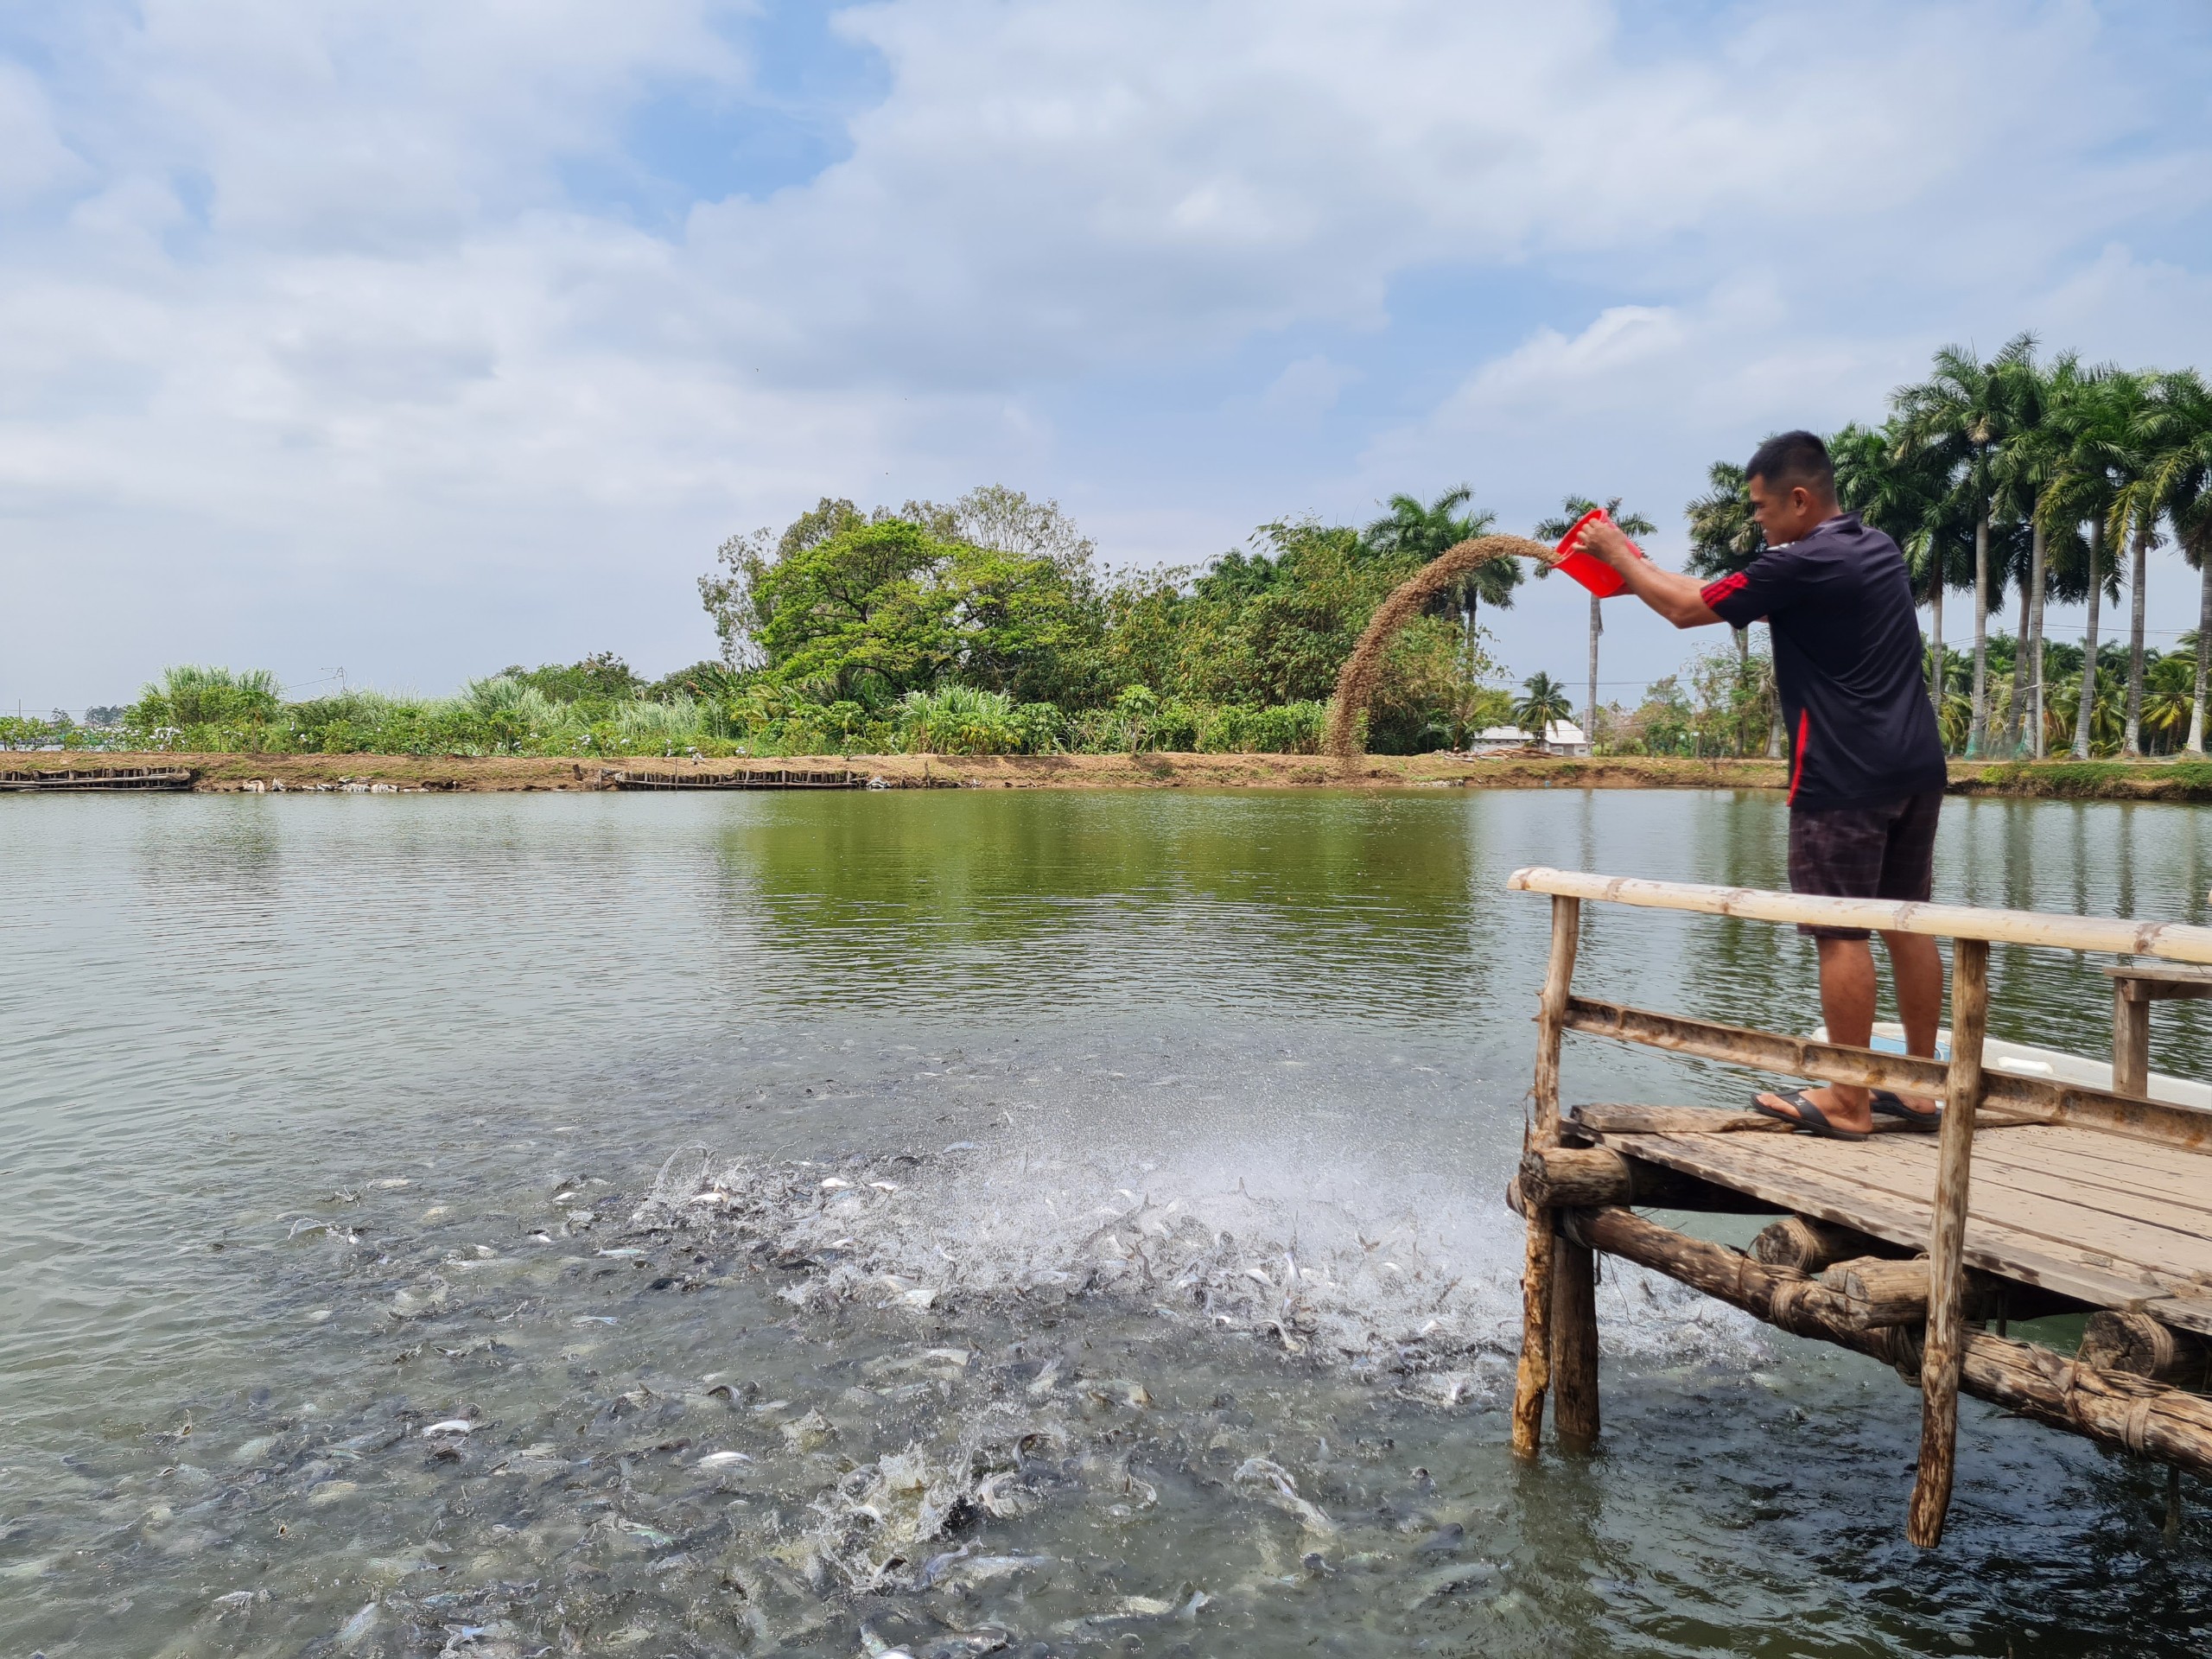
1679,598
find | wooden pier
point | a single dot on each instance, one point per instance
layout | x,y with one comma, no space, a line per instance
65,781
756,777
2036,1196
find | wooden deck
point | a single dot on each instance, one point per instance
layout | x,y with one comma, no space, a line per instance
2110,1221
2039,1195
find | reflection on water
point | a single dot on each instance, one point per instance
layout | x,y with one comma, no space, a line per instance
324,1122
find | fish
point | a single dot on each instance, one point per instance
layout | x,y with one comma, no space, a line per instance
1446,1580
1132,1395
1277,1480
723,1459
391,1183
450,1425
624,1252
981,1569
1002,1498
351,1632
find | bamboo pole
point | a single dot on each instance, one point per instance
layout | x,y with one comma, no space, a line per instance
2169,941
2008,1097
1946,1341
1534,1376
2127,1414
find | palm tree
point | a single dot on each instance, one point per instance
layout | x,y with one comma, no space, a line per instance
1554,530
1545,701
1903,491
2092,423
1964,413
1724,538
2023,470
1423,532
2175,440
2180,440
2130,456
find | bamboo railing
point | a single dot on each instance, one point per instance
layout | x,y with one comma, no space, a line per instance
1559,1346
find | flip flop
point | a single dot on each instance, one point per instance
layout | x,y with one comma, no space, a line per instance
1807,1116
1889,1103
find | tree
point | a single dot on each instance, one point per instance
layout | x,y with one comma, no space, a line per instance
1963,414
2180,441
1421,533
2023,471
2130,458
1723,539
1899,491
1554,530
2091,422
1543,701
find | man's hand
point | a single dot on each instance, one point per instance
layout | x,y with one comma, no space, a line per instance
1678,598
1602,539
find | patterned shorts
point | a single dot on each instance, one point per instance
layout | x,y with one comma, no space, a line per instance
1865,852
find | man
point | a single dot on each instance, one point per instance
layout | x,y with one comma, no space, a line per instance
1867,768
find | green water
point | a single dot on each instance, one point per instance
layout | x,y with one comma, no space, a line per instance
1087,1206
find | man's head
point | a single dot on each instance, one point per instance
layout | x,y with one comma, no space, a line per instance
1793,486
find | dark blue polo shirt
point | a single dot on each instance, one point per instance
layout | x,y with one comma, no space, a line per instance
1847,662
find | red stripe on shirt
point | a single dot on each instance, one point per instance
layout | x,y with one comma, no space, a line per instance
1714,592
1797,768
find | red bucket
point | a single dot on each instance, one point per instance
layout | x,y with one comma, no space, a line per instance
1590,571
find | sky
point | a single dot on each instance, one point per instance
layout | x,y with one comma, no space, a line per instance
413,338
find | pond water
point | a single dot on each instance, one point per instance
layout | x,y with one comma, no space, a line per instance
939,1223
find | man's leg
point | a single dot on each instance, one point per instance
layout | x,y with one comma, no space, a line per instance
1916,970
1847,1005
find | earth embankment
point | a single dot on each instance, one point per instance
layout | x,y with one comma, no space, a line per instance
2186,781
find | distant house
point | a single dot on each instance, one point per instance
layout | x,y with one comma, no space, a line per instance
1560,737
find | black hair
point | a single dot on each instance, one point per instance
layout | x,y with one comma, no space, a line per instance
1792,458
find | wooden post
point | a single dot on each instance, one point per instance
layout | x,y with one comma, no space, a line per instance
1574,1344
2131,1040
1537,1309
1946,1333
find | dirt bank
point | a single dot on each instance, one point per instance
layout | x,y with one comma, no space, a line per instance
2183,781
496,773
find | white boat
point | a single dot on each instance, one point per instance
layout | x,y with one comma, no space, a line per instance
2025,1060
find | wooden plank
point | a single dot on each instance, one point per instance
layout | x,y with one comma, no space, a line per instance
2157,982
1837,1197
2131,1043
2083,1189
1909,1173
2168,941
2183,1179
2009,1097
1690,1120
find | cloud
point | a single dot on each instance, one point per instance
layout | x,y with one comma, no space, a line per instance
33,158
308,327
